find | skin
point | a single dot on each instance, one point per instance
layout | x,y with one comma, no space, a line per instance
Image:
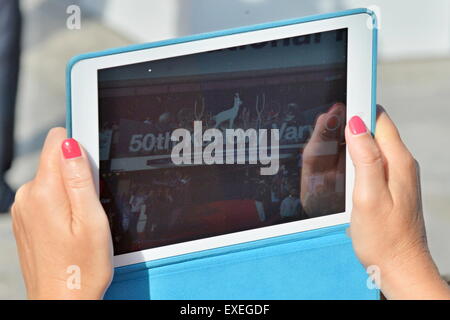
387,226
322,200
58,220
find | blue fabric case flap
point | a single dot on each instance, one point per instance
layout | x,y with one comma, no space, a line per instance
318,264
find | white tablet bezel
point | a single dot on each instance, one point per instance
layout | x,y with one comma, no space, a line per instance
84,115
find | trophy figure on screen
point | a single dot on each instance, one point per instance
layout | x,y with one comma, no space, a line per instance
245,118
229,114
260,105
199,111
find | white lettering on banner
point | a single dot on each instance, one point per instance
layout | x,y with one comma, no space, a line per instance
294,132
149,142
216,146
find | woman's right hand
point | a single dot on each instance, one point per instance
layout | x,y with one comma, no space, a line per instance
387,227
61,229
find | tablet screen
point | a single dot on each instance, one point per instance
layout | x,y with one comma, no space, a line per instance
218,142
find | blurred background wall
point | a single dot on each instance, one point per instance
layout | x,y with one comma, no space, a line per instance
414,80
411,29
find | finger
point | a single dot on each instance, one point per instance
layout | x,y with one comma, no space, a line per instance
48,171
386,133
78,181
48,186
321,153
400,165
325,138
328,124
370,178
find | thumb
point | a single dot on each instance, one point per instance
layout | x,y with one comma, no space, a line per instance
78,179
370,177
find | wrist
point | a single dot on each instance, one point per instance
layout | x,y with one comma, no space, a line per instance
61,292
413,276
66,295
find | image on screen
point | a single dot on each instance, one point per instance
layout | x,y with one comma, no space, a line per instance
290,92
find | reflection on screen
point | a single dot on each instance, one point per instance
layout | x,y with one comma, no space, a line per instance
296,86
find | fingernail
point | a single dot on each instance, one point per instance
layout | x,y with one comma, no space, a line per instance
357,126
332,122
71,149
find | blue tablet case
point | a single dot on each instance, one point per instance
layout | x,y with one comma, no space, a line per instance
316,264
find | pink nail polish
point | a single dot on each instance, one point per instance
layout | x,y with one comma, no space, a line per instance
71,149
357,126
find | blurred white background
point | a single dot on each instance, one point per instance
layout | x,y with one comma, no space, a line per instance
411,29
414,80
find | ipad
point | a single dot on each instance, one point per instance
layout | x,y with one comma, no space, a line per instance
224,138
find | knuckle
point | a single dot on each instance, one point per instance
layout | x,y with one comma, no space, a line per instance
14,213
370,158
364,202
78,181
39,195
370,202
409,163
21,195
17,208
15,220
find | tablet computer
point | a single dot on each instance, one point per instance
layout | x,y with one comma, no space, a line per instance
224,138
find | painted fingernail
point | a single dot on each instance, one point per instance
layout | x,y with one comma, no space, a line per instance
357,126
71,149
332,122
